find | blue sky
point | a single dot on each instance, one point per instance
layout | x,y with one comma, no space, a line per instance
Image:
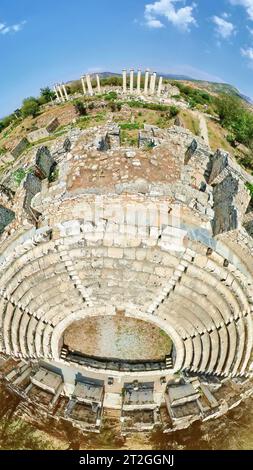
42,42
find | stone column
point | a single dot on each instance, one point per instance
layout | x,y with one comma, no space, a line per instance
131,81
160,84
139,82
65,92
146,82
61,93
124,73
83,85
56,92
98,84
89,85
153,84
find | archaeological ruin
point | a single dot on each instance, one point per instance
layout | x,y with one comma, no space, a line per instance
126,281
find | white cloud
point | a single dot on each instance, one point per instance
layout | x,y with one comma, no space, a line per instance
248,53
5,29
225,29
247,4
154,23
157,12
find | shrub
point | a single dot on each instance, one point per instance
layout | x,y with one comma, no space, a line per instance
249,186
19,175
54,175
80,108
111,81
174,111
129,126
30,107
115,106
111,96
194,96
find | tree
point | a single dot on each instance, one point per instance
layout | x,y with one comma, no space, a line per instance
235,117
46,95
30,107
228,107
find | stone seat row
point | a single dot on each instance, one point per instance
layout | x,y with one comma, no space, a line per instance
223,352
24,335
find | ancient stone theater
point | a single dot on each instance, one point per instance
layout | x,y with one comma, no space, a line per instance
126,281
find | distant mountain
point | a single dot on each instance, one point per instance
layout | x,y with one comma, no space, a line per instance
215,87
212,87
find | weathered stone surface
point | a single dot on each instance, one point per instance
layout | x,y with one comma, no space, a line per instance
6,217
44,162
19,148
220,162
32,186
231,199
191,150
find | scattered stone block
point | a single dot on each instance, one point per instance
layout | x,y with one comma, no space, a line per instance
33,186
190,151
178,122
43,132
6,217
146,139
67,145
220,161
182,394
231,200
19,148
44,163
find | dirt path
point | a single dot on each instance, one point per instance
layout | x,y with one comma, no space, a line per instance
203,130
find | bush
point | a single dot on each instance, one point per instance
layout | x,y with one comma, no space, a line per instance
111,81
249,186
80,108
151,106
115,106
6,121
194,96
129,126
174,111
111,96
30,107
19,175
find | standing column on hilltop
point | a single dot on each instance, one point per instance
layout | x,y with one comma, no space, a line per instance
160,84
139,82
83,85
150,83
131,81
124,74
98,84
61,93
58,96
153,84
146,82
89,85
65,92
